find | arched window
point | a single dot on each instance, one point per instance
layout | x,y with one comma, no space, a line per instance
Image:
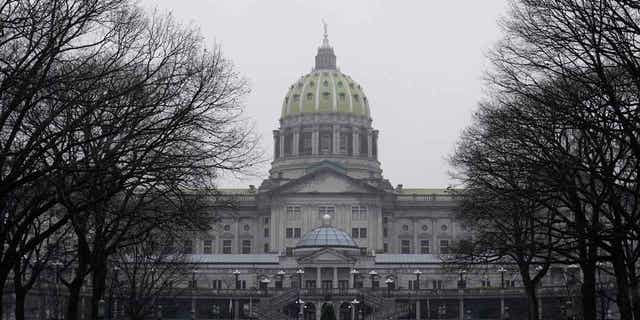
309,96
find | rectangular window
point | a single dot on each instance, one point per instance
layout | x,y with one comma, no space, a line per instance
207,246
188,247
385,232
358,213
330,210
363,232
246,246
424,246
216,284
266,220
364,142
266,232
385,247
405,246
226,246
346,142
355,233
289,233
297,233
305,143
266,247
444,246
288,144
293,212
325,141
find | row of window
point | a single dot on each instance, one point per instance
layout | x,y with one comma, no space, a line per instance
325,143
425,248
227,246
357,212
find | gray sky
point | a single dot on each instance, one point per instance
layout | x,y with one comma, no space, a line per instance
420,64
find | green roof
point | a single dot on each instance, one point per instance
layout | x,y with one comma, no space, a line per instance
325,91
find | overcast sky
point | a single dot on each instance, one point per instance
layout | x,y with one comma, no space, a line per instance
419,62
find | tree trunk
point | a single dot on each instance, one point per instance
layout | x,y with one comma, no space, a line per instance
75,288
635,299
532,301
98,287
588,289
21,297
622,283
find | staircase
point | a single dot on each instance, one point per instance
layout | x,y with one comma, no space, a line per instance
271,308
383,308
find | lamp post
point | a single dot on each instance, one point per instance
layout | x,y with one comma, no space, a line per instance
417,273
373,275
265,282
281,274
506,315
355,273
502,270
462,281
101,307
300,272
113,313
301,304
389,283
236,274
354,303
58,304
159,312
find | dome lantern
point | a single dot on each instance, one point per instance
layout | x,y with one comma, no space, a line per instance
325,58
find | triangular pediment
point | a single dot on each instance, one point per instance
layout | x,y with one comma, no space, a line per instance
326,180
326,256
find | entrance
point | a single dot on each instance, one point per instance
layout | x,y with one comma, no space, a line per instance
327,312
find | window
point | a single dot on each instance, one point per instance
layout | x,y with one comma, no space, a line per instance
296,97
405,228
325,83
266,247
364,143
437,284
343,97
363,233
385,232
355,233
385,247
325,141
216,284
226,246
288,144
346,142
444,227
227,227
424,246
405,246
188,247
289,233
309,96
266,232
330,210
358,213
385,220
246,227
246,246
265,220
293,212
297,233
305,143
425,227
207,246
444,246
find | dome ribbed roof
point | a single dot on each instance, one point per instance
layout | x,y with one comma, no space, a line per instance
325,91
326,237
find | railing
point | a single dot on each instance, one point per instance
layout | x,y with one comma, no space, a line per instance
425,197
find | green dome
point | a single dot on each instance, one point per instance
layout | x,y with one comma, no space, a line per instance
325,91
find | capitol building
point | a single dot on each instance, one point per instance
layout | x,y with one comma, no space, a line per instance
327,228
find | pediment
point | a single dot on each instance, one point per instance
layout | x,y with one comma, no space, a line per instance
326,256
326,181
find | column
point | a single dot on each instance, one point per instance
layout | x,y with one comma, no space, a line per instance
193,306
236,244
375,143
356,142
501,304
315,140
236,309
540,306
369,144
336,139
318,310
350,277
335,277
416,227
276,144
296,142
418,309
281,137
461,309
428,308
318,277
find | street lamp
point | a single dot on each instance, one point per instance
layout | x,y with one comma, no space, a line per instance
265,282
389,283
355,303
417,273
506,315
101,306
159,312
461,281
502,270
355,273
373,275
281,274
58,304
300,272
301,304
236,273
